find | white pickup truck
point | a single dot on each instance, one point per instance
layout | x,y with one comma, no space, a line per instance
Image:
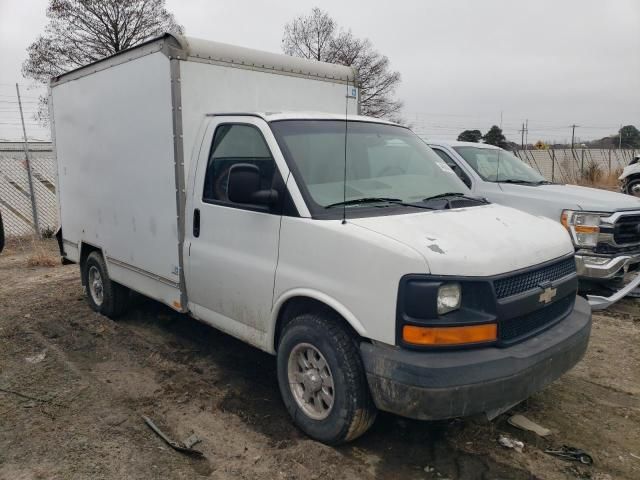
340,243
604,226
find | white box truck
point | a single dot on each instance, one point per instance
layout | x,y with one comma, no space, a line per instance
342,244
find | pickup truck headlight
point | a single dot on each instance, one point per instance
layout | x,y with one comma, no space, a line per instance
584,227
449,298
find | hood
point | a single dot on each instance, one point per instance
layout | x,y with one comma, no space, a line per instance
477,241
575,197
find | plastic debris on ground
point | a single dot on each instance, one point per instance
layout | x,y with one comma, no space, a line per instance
523,423
508,442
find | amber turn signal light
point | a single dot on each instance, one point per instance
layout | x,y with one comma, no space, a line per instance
487,332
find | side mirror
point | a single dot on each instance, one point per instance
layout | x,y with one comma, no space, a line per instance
244,186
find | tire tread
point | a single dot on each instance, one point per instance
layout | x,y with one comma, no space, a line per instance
363,411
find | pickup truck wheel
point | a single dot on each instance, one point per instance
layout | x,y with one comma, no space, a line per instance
322,380
633,187
103,295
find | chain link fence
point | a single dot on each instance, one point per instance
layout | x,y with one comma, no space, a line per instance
573,165
15,194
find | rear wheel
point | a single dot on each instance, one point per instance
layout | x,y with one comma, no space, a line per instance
322,380
103,294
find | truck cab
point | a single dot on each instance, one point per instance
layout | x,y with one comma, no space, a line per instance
434,287
604,226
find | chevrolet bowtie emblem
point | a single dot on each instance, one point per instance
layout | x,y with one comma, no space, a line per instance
547,295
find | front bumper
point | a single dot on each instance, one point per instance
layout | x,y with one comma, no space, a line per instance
592,267
603,269
456,383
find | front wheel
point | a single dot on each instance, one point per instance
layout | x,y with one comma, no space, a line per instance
322,379
633,187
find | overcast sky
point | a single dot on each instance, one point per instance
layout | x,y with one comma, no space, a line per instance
464,63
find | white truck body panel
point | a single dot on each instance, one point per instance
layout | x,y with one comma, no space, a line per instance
475,237
206,88
114,145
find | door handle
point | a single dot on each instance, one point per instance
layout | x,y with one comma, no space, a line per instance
196,222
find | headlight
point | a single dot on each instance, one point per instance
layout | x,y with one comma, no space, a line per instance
449,297
583,227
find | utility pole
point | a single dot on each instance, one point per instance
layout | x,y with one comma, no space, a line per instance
573,134
522,139
620,138
526,132
32,192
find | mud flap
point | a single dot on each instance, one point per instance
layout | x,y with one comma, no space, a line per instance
63,255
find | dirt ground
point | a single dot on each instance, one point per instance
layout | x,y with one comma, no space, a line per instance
74,385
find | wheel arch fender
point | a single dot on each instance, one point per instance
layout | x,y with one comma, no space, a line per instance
312,297
630,171
85,250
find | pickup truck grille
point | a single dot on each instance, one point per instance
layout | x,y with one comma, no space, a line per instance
518,328
523,282
627,230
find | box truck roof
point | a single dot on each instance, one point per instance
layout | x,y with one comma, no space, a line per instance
196,49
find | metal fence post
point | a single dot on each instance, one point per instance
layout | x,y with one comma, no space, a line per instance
32,192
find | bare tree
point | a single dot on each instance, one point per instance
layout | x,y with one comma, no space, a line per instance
310,36
316,36
84,31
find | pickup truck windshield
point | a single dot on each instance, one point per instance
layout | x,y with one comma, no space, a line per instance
495,165
386,165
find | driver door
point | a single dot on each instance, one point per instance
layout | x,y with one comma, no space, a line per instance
233,248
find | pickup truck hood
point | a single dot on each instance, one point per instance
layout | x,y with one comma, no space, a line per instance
574,197
476,241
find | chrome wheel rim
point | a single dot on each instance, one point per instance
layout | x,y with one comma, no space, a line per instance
311,381
635,189
96,287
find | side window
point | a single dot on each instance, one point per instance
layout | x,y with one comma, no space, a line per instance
454,166
232,144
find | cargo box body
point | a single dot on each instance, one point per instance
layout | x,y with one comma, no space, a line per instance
125,131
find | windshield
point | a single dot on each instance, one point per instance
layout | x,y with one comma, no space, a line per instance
497,165
383,162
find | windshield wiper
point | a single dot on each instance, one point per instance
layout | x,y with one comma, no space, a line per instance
520,182
365,200
448,194
358,201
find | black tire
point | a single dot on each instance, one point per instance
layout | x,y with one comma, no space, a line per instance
115,297
353,411
631,184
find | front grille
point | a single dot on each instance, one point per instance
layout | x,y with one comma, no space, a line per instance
519,328
627,230
523,282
